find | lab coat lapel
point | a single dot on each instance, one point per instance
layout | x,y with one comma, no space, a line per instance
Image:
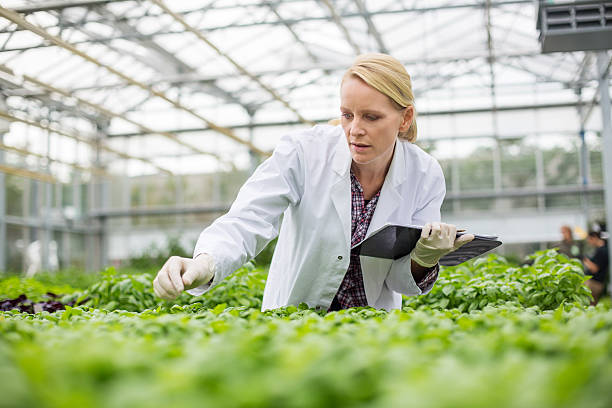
341,186
390,198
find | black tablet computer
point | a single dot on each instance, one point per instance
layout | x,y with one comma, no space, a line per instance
395,241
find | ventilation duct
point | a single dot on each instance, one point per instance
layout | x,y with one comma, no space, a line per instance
575,25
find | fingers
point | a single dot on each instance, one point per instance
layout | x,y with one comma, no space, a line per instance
463,239
450,231
160,292
174,273
195,275
436,229
190,276
439,230
168,283
426,230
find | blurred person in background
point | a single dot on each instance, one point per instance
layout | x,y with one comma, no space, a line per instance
332,185
567,245
597,265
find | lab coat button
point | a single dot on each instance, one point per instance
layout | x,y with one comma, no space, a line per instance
339,257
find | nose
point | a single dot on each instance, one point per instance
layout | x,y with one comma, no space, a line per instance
356,128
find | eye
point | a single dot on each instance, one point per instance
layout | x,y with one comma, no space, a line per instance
346,115
371,117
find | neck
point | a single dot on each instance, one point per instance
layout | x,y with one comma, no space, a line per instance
373,171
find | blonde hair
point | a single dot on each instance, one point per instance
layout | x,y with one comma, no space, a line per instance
389,77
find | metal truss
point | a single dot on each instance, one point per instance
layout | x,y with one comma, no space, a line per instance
337,19
61,5
355,20
72,134
15,18
107,112
34,175
116,64
371,26
284,21
25,152
232,61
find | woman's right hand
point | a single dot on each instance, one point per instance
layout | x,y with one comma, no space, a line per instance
180,273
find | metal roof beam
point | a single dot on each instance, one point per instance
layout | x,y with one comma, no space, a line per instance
180,79
539,77
294,34
170,64
108,113
61,5
150,211
17,19
338,20
371,26
93,143
239,67
35,175
311,18
75,166
421,114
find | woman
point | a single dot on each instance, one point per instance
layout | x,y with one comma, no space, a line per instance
333,185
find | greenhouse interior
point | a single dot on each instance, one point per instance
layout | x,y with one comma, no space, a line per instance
152,151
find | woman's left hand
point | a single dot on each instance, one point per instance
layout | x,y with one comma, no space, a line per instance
437,239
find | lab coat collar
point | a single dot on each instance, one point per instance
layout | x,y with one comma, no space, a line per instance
397,170
342,157
341,191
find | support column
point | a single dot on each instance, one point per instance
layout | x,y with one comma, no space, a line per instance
126,203
455,180
3,242
584,160
540,179
102,203
97,247
4,128
179,219
46,213
606,138
91,255
497,172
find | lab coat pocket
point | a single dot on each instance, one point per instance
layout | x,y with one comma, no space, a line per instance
374,271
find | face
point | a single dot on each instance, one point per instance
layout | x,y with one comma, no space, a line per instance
567,233
371,122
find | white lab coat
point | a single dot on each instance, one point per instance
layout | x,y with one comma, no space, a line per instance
307,181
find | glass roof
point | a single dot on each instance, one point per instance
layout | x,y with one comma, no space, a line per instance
192,86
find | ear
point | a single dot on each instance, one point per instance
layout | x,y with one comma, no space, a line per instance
407,118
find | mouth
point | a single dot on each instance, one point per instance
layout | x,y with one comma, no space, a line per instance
360,145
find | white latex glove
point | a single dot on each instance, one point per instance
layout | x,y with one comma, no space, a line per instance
179,274
437,239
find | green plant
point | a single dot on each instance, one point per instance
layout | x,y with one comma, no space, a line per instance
550,281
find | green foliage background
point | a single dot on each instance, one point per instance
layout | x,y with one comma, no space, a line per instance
490,333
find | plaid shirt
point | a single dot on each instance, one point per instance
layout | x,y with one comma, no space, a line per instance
352,292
